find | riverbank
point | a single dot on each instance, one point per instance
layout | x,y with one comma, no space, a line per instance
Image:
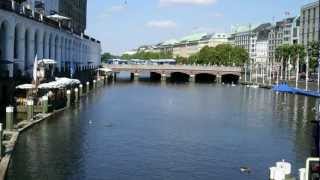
146,130
10,137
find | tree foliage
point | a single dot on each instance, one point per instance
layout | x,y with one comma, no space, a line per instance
223,54
148,55
107,56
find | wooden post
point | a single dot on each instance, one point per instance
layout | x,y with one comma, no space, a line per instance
9,118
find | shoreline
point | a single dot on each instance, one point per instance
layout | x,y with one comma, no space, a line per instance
10,138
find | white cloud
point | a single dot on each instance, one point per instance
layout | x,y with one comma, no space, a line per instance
164,24
186,2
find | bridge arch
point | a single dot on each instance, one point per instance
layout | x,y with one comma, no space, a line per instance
155,76
205,78
230,78
179,76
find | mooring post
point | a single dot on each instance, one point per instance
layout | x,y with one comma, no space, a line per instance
80,90
30,109
68,98
45,100
1,137
105,79
9,118
98,82
88,87
76,94
94,84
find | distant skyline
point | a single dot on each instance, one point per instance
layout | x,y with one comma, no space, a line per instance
122,25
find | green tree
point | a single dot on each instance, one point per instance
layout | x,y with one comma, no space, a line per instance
223,54
106,56
314,55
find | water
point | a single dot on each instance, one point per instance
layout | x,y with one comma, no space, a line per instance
147,131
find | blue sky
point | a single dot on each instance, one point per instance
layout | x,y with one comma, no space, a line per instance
122,25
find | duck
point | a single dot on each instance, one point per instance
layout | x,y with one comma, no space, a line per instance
245,170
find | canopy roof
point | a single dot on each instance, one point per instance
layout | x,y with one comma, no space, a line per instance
47,61
59,83
58,17
170,42
26,86
104,69
193,37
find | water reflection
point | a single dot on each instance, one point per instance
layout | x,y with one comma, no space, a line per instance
156,131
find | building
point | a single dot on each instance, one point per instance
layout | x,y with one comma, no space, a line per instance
283,32
192,44
253,39
26,33
76,10
309,23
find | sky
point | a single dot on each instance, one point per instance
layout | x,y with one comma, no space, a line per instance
123,25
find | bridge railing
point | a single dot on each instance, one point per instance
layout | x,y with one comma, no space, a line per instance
175,67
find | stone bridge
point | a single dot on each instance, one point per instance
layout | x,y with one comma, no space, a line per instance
192,72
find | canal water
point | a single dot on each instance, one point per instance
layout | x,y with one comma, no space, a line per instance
154,131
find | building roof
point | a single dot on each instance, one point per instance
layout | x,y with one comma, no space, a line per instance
170,42
193,37
243,28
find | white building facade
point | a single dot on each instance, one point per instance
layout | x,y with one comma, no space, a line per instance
23,37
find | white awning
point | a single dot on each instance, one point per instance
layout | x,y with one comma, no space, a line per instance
47,61
104,70
26,86
58,17
59,83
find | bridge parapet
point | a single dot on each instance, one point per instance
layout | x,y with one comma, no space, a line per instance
200,68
